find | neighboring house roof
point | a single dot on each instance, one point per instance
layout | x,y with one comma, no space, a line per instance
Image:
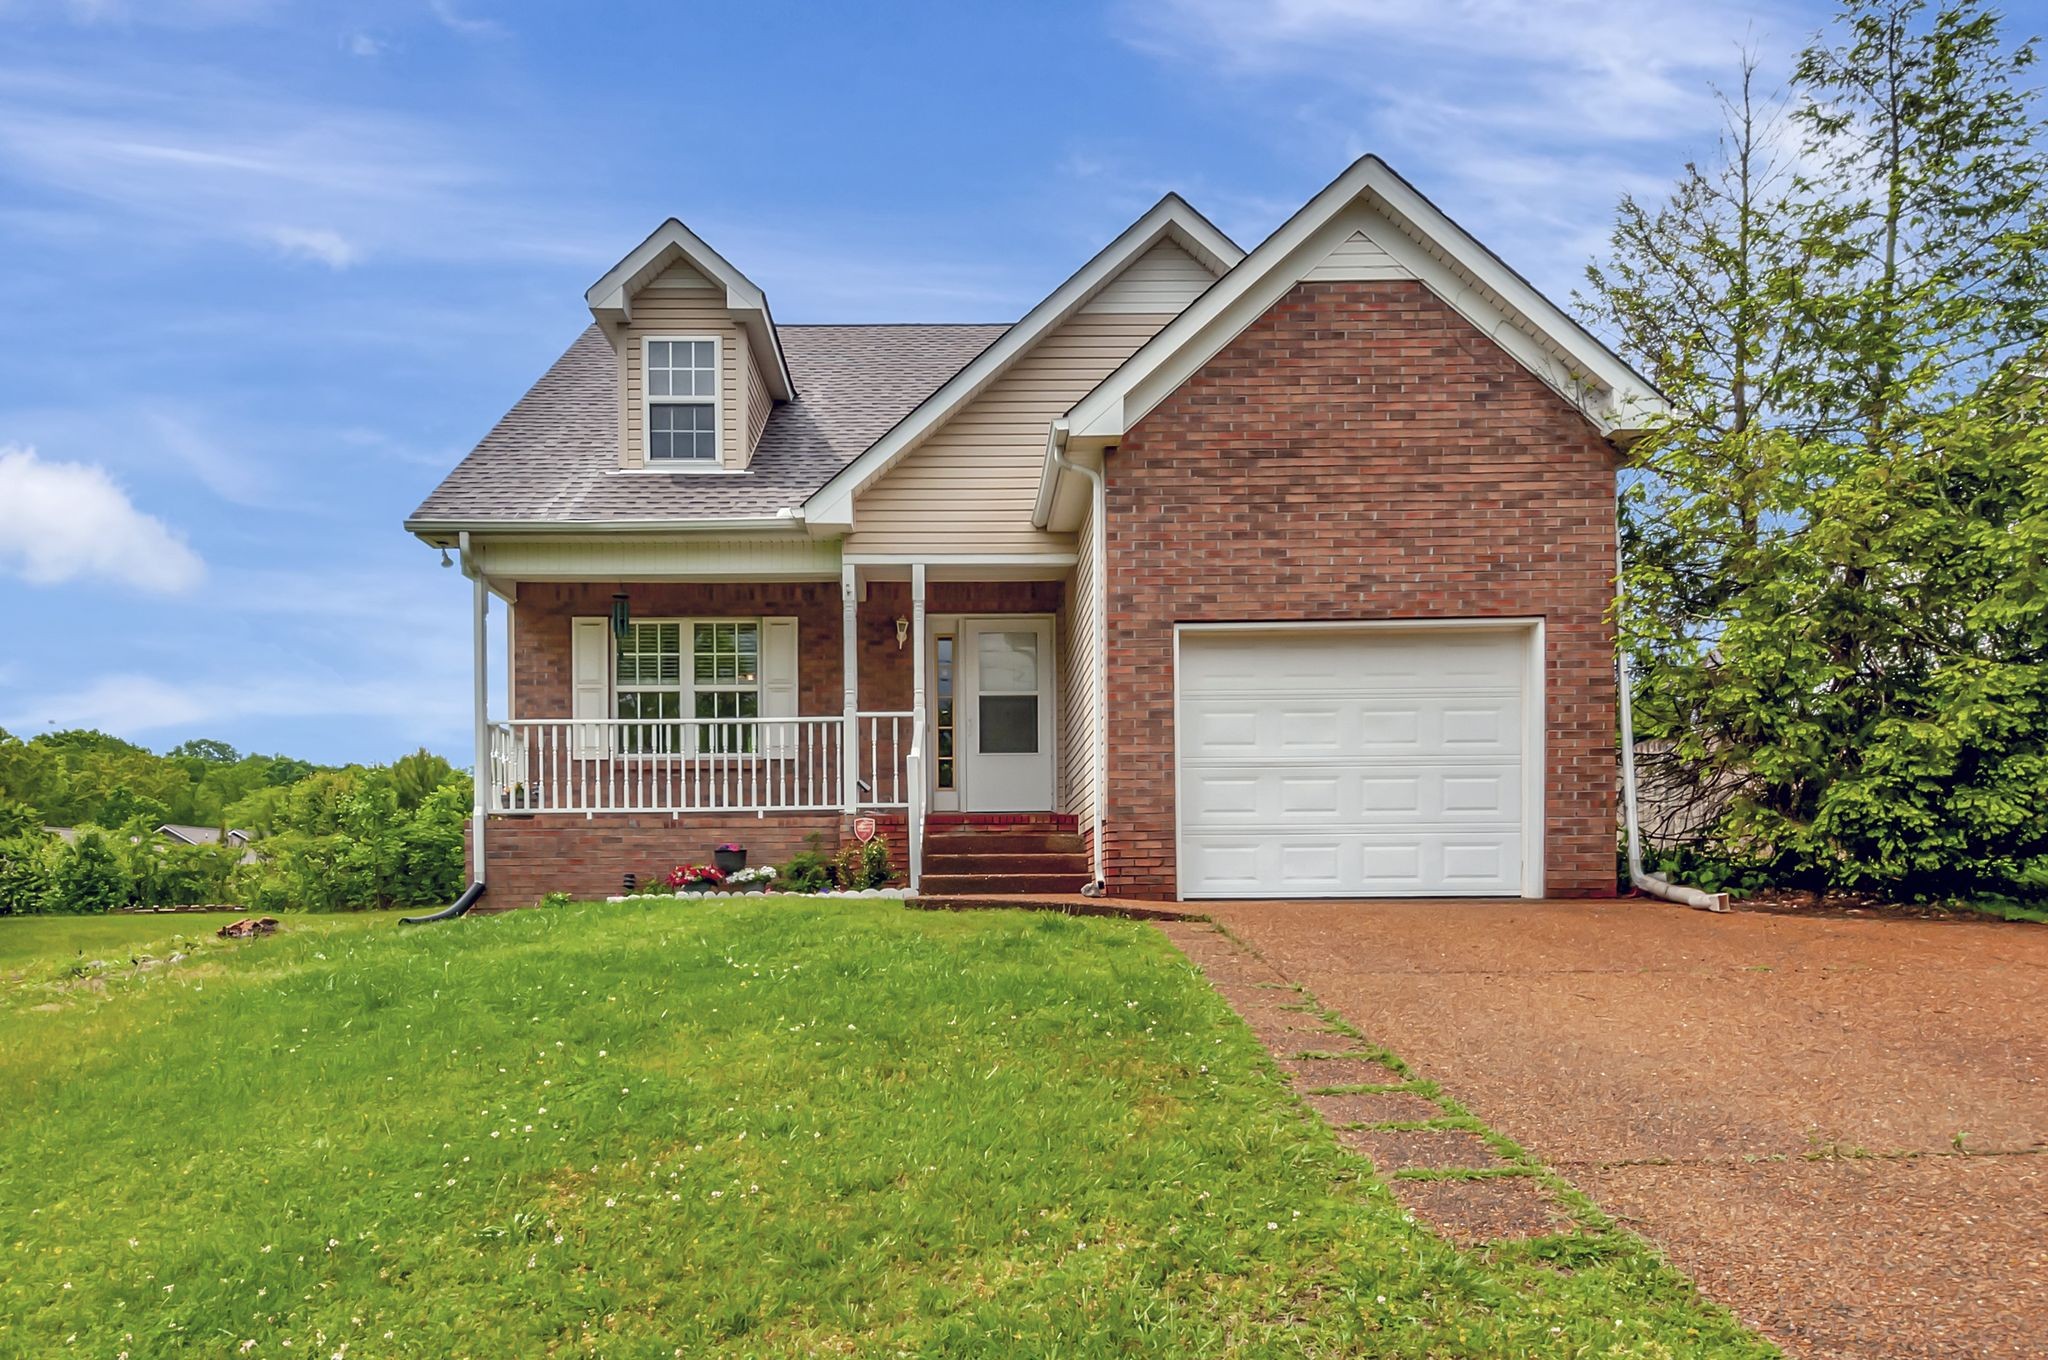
201,835
554,459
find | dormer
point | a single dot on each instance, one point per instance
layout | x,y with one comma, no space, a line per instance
700,365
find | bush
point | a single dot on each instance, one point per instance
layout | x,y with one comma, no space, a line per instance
807,872
27,870
876,866
89,876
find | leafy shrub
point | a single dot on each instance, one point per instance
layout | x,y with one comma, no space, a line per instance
27,869
90,876
875,865
847,867
807,872
556,899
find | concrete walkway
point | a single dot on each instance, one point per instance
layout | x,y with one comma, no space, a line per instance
1836,1127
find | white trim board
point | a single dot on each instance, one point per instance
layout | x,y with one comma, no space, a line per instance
1535,720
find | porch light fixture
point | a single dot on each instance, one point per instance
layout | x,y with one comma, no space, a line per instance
446,561
622,617
902,631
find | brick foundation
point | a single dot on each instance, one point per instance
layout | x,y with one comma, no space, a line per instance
530,857
1361,452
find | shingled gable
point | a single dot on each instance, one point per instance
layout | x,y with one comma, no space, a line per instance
1368,223
830,507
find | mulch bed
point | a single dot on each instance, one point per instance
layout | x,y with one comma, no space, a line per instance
1471,1212
1854,906
1391,1150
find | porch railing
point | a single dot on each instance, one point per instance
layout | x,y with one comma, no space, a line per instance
671,765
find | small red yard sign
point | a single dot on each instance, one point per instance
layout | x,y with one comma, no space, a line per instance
863,829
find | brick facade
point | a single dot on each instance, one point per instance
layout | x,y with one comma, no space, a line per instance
1362,452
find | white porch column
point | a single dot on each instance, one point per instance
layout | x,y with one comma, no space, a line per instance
915,812
849,632
480,696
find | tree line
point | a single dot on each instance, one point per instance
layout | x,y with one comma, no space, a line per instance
1837,602
324,837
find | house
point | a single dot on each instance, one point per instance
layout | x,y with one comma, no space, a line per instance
1218,574
201,835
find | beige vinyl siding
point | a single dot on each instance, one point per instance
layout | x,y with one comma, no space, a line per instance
971,486
681,301
1078,661
1164,279
759,404
1358,256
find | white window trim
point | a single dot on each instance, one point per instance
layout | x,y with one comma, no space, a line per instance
648,401
687,674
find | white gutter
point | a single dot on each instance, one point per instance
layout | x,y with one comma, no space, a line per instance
1641,879
1098,532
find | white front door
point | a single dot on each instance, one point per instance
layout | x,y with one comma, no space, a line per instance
1005,714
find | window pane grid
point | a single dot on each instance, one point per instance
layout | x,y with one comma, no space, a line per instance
682,389
724,680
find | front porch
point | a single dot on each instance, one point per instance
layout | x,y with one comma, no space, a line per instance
650,720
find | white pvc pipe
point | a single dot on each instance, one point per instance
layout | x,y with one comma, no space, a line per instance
1640,878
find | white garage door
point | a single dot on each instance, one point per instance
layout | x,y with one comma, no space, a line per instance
1352,762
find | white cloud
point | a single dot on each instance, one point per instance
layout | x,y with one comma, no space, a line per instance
65,521
206,156
129,705
457,22
1524,121
319,244
366,45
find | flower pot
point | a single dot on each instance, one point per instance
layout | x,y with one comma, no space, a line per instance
729,861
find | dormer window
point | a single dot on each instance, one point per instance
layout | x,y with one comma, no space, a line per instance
682,399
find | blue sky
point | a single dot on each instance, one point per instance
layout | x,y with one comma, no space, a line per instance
267,270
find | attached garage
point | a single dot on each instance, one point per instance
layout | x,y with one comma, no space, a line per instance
1359,760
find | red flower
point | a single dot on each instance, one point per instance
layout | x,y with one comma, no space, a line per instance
694,876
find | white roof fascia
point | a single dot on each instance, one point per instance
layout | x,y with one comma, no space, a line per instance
1437,250
831,505
611,297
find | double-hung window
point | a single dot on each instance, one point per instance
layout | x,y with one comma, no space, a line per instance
703,669
681,378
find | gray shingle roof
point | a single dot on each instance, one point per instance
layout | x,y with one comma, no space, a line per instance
554,458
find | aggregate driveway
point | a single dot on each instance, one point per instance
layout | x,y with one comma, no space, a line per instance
1778,1102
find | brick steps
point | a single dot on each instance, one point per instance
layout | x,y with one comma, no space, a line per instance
971,853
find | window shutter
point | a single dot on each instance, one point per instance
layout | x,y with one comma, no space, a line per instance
590,671
778,684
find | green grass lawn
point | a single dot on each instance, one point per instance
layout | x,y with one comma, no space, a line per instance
683,1129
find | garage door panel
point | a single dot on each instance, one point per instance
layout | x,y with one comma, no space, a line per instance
1333,793
1351,763
1312,864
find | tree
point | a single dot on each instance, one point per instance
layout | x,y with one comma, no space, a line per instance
27,865
204,749
1836,572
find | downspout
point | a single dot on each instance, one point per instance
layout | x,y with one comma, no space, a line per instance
1638,877
1098,533
479,696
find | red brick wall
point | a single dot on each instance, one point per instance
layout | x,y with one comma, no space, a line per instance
529,857
1361,452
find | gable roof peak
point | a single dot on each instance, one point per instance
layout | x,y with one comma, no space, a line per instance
611,298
